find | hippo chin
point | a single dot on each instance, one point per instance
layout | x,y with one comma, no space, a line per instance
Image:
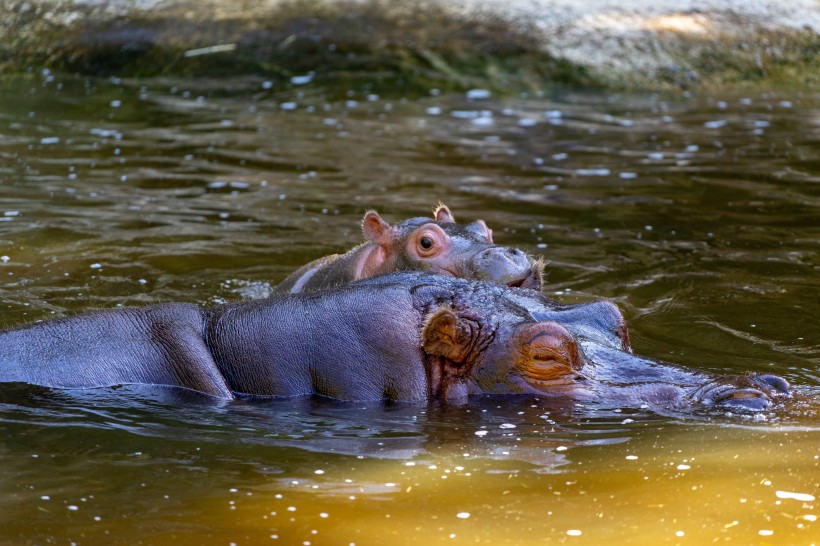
438,246
404,337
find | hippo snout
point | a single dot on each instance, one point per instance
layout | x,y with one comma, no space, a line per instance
752,393
508,266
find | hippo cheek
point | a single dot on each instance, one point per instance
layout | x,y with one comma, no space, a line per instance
546,356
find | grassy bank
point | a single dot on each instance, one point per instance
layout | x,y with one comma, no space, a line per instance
388,45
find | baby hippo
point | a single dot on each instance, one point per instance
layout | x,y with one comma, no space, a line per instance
404,337
438,246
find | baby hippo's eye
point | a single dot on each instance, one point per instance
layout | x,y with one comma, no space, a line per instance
428,242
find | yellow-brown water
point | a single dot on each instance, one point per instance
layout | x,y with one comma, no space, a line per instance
698,215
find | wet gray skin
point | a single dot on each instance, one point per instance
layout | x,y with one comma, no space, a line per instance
437,246
609,369
402,337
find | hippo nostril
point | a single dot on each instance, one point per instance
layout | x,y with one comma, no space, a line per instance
776,382
745,400
506,266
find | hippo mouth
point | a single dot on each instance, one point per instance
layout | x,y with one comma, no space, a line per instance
531,280
520,283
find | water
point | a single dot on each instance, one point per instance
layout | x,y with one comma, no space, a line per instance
697,214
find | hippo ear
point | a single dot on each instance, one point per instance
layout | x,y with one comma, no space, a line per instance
375,229
444,334
479,227
443,214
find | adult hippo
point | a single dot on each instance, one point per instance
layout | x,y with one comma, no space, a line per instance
438,246
404,337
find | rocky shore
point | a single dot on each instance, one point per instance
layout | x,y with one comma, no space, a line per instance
516,45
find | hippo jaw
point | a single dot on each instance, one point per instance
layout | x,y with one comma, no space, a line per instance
466,356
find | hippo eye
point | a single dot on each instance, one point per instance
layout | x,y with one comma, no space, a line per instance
428,242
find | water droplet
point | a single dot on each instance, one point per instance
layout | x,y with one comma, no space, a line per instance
717,124
592,172
478,94
302,80
805,497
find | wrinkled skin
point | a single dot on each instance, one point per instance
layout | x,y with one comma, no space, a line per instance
608,369
405,336
439,246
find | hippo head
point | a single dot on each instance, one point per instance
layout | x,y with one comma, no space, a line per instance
469,351
485,338
443,247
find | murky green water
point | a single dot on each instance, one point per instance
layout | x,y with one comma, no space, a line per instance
698,215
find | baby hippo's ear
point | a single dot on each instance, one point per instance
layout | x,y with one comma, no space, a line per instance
375,229
444,334
442,214
479,227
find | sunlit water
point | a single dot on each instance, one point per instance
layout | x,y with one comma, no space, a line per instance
698,215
